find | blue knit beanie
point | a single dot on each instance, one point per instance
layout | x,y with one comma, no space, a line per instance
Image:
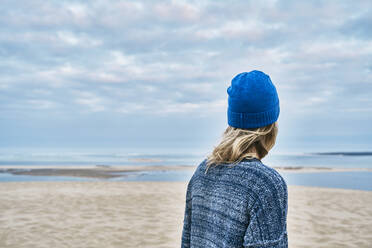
253,101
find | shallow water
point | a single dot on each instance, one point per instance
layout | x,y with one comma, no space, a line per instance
359,180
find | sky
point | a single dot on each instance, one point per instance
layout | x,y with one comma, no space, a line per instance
152,75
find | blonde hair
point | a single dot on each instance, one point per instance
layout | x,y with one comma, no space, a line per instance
238,143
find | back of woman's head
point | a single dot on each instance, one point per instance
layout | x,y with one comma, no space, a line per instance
253,111
238,143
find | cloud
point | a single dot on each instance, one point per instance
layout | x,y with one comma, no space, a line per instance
90,100
171,58
41,104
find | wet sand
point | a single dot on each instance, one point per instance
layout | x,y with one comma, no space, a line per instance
150,214
106,171
98,171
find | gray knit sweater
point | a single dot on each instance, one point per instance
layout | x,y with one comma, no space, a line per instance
240,206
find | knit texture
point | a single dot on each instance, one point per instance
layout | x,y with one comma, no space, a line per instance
244,205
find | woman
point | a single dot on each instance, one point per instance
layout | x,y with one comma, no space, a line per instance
233,199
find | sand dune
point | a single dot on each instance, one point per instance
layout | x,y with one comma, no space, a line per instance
150,214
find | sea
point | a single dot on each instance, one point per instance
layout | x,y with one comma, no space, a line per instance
359,180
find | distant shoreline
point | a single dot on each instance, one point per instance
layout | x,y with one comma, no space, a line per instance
343,153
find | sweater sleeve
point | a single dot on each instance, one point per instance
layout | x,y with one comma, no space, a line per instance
187,219
268,220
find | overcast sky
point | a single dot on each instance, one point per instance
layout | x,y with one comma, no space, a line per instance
153,74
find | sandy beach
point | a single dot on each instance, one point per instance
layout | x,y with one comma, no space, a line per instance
150,214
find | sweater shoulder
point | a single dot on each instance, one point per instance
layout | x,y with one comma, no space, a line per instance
250,171
251,180
260,168
266,175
